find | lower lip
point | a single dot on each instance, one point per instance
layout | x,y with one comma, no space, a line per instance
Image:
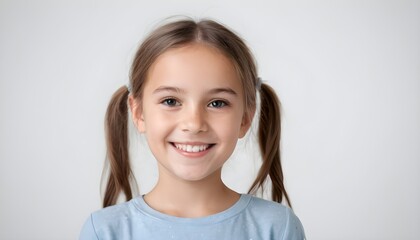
193,154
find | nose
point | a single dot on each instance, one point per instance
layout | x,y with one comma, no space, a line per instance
195,120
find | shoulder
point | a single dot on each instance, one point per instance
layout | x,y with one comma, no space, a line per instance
112,214
270,209
278,217
103,222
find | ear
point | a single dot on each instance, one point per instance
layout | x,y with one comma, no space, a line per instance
137,114
246,123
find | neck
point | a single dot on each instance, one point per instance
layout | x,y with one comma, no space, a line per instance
191,199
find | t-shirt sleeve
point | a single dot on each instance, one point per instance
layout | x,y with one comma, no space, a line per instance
88,230
294,229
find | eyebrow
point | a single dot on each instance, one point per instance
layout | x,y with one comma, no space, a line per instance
168,89
179,90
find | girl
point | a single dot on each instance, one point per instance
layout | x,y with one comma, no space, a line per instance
192,92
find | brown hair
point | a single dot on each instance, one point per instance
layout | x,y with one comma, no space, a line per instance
177,34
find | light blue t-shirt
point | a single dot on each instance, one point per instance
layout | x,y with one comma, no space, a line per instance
250,218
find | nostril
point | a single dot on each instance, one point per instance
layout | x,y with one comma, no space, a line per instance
195,126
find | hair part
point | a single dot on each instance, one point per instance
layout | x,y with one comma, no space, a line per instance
178,34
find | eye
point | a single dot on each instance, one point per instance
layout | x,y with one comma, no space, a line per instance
171,102
218,104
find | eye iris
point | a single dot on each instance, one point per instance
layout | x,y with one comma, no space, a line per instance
170,102
217,104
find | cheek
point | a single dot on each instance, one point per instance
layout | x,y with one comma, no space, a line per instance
228,127
156,136
155,124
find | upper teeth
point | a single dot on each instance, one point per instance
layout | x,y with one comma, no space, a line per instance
191,148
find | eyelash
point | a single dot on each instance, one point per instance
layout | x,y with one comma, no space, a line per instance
177,103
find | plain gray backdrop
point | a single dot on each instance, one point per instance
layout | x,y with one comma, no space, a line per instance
347,73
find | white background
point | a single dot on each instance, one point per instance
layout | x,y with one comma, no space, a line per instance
347,73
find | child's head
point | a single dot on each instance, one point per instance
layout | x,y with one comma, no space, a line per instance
192,111
184,63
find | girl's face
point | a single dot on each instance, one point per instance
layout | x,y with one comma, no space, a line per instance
192,112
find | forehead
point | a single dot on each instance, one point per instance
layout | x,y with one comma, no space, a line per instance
195,62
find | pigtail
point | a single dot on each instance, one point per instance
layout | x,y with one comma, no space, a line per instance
116,131
269,131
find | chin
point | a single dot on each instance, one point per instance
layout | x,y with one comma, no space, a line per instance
195,176
192,178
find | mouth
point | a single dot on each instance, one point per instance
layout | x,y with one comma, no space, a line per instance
192,148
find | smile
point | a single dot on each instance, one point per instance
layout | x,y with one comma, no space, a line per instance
192,148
